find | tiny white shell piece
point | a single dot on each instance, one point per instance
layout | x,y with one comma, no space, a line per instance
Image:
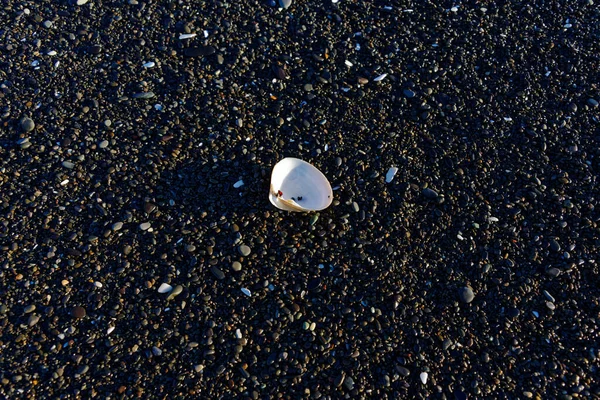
165,288
424,376
298,186
379,78
238,184
186,36
390,174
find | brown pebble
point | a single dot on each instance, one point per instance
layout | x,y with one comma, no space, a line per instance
78,312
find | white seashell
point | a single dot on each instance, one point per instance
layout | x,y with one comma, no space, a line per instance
165,288
424,376
379,78
390,174
298,186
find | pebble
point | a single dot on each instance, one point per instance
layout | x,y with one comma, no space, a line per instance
81,2
423,376
246,292
176,291
430,193
29,308
217,272
27,124
68,164
389,177
164,288
33,319
466,294
116,226
238,184
103,144
554,245
236,266
285,3
78,312
409,94
143,95
244,250
593,102
144,226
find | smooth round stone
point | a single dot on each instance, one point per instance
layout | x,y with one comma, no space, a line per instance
593,102
430,193
176,291
117,226
308,87
553,272
81,2
78,312
33,319
217,273
165,288
244,250
409,93
145,226
285,3
29,308
466,294
402,370
554,245
236,266
103,144
27,124
68,164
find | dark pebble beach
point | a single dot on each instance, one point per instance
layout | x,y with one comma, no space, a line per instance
140,256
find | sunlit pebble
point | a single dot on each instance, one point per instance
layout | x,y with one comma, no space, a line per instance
98,284
380,78
187,36
165,288
246,292
454,9
109,330
335,1
63,183
158,107
390,174
205,34
149,64
348,63
51,53
424,376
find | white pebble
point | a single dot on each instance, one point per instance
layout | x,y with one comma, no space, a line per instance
165,288
390,174
98,284
63,183
348,63
454,9
186,36
380,78
238,184
149,64
109,330
81,2
424,376
51,53
238,334
246,292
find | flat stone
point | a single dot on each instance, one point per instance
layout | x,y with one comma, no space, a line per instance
33,319
117,226
143,95
430,193
164,288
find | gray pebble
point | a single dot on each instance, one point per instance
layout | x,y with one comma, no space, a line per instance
236,266
355,206
143,95
145,226
244,250
466,294
33,319
593,102
554,245
285,3
117,226
103,144
68,164
402,370
217,272
430,193
29,309
27,124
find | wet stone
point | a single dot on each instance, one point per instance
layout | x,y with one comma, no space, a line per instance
117,226
409,93
29,309
32,320
554,245
285,3
236,266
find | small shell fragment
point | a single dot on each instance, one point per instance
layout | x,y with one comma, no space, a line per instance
390,174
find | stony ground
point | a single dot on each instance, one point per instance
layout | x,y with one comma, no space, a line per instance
130,266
